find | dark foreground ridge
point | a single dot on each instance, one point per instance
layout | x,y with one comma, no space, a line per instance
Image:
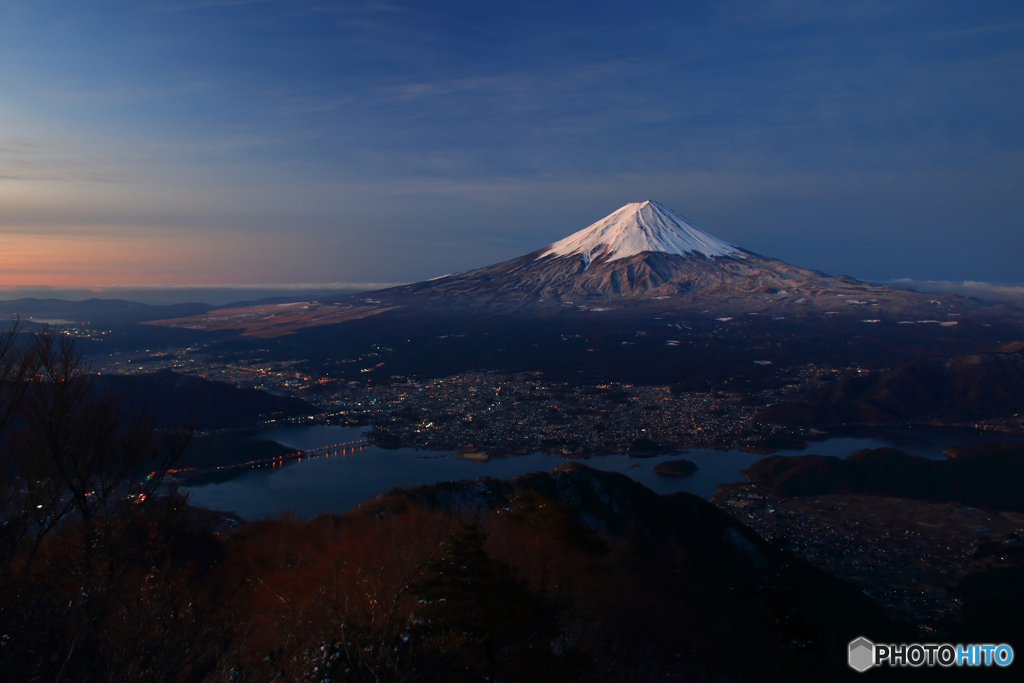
703,572
568,575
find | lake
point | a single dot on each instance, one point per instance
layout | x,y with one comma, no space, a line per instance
337,483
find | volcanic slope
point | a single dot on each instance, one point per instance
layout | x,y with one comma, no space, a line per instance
646,257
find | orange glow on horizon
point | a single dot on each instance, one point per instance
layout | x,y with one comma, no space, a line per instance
136,256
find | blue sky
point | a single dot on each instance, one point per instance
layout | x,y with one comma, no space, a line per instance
249,142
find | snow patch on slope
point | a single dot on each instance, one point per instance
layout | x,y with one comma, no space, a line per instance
639,227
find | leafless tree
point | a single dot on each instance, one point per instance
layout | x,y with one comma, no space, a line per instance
73,465
18,366
67,455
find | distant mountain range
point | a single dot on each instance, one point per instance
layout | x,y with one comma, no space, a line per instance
95,311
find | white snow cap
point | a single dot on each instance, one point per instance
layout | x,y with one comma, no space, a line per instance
638,227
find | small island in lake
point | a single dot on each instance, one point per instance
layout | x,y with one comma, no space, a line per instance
675,468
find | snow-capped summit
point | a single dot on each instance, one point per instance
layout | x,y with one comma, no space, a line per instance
636,228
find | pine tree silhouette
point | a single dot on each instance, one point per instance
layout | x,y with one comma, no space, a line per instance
476,612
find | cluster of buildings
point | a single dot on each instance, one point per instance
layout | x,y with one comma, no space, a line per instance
499,413
905,554
277,377
523,413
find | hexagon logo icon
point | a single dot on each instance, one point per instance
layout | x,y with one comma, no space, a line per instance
861,654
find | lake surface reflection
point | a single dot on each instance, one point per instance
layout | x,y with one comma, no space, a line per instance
337,483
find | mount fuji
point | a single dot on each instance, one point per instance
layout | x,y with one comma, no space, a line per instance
647,256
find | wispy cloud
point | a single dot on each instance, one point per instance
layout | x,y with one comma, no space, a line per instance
114,93
985,29
989,291
26,159
178,6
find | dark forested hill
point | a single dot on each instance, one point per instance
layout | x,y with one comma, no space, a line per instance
668,551
994,479
949,389
173,399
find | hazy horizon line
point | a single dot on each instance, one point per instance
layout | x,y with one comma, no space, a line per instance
276,285
164,294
